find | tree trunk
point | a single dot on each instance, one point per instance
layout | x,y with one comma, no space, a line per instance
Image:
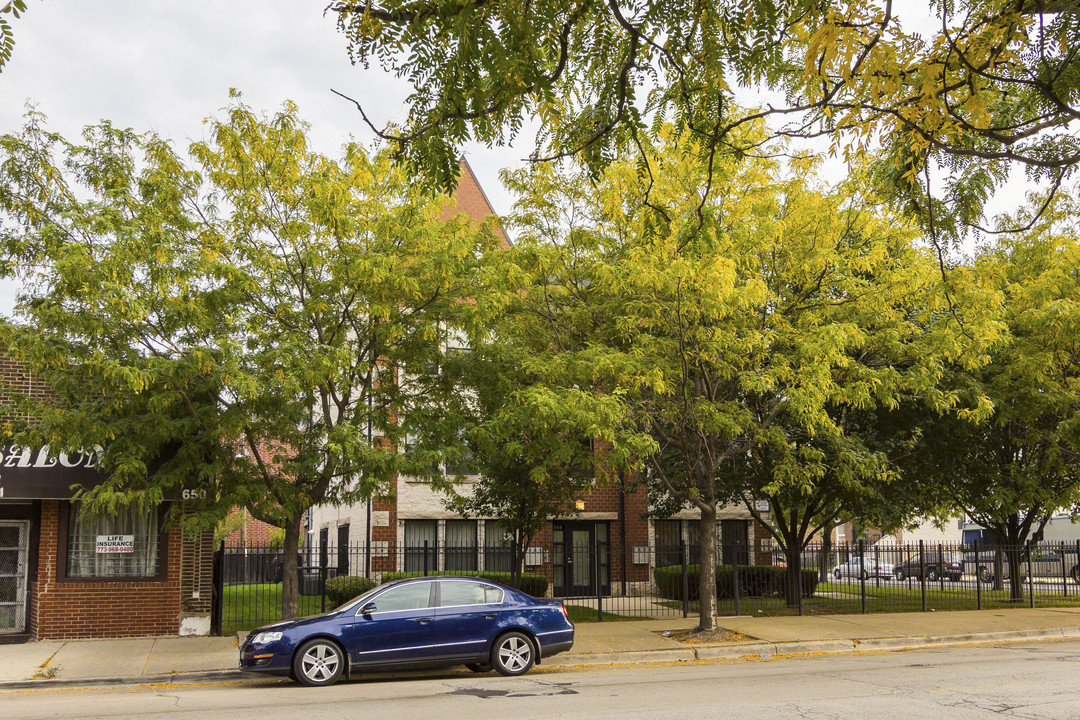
290,585
793,588
1014,554
707,570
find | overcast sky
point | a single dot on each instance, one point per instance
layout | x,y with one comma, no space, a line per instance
165,65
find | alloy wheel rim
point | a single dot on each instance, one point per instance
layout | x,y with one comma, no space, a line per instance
320,663
514,654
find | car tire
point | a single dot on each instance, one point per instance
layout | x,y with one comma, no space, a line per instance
985,576
836,573
865,575
513,654
1076,574
931,575
479,667
318,662
899,574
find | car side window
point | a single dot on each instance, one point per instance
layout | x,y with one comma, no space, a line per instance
467,593
414,596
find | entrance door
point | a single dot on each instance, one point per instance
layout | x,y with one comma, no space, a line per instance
577,571
735,540
14,537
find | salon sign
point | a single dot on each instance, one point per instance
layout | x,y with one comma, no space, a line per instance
115,544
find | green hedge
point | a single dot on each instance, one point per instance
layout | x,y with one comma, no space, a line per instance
343,588
531,583
754,581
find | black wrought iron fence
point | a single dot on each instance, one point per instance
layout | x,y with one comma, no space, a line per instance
599,582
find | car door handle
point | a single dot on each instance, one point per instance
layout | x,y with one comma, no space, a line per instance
490,616
423,621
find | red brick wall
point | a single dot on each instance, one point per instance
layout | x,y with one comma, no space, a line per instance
72,609
469,198
254,533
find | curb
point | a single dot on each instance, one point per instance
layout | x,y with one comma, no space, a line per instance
177,678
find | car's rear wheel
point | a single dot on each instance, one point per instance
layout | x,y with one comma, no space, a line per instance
985,575
513,654
318,662
479,667
836,573
899,574
932,574
1076,573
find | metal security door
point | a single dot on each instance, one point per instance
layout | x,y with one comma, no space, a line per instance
14,541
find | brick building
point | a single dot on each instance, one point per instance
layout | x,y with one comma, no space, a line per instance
610,519
65,574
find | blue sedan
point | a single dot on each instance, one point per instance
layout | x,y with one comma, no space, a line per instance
420,622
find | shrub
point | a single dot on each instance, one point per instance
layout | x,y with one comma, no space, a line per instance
531,583
754,581
343,588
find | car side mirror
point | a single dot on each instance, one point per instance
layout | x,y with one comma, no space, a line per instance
368,609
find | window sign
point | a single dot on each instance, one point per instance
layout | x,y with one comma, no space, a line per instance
115,544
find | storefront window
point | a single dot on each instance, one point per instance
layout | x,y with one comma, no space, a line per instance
123,544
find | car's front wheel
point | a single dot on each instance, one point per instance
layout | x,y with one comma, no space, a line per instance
513,654
899,574
836,573
318,662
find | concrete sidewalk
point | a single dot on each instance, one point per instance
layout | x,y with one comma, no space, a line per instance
176,659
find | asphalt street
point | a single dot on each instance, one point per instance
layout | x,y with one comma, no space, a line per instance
1007,680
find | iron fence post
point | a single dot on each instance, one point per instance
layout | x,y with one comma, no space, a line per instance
1031,578
685,580
217,583
734,578
425,558
922,572
1064,573
323,572
599,594
877,564
978,578
862,573
798,581
941,570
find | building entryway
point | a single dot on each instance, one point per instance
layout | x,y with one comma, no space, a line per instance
14,547
581,558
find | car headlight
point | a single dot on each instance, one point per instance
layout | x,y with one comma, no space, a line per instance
265,637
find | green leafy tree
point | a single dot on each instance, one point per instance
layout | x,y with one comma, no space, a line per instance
13,9
721,317
537,446
235,324
993,87
1014,471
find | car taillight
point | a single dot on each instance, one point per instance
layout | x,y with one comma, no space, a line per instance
563,608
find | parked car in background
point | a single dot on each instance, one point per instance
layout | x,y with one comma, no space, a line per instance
419,622
935,565
1045,563
862,567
